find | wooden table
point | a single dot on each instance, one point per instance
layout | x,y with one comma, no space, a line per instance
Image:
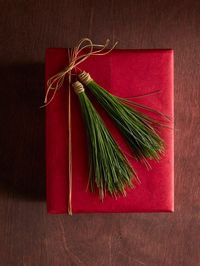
28,235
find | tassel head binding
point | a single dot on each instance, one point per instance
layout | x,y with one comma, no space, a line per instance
78,87
85,78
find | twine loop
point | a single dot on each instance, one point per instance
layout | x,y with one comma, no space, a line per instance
77,55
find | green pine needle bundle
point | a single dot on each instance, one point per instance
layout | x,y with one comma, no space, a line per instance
136,127
109,169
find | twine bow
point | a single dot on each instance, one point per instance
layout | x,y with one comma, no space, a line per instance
76,55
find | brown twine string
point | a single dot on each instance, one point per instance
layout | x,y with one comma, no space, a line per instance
69,137
76,55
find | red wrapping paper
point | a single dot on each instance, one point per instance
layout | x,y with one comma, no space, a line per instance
126,73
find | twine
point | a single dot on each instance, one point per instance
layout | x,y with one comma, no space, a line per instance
76,55
69,138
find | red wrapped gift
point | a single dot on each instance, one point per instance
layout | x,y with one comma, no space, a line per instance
125,73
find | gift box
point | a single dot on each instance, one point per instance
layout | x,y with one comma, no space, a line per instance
132,74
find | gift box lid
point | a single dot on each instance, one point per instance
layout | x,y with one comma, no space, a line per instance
126,73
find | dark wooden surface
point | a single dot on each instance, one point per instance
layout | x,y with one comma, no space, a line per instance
28,236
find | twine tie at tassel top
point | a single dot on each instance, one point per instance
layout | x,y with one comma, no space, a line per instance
85,78
78,87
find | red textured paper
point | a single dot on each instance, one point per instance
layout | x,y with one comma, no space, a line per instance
125,73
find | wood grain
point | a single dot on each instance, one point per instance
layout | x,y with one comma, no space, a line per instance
28,236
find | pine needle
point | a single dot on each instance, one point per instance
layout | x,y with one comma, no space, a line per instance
109,168
136,127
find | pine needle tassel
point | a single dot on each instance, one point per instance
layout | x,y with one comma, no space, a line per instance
109,168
